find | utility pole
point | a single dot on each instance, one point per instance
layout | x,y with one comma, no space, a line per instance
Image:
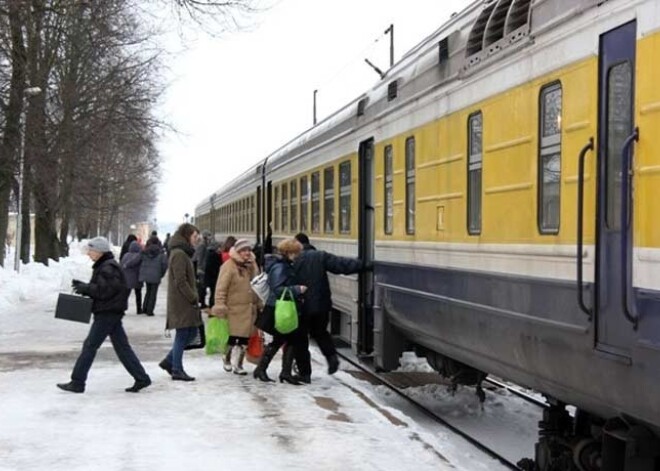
390,31
314,111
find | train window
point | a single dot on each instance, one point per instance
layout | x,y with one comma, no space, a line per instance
304,203
475,155
345,197
293,193
619,127
410,185
285,207
550,158
316,202
276,205
388,207
252,213
329,200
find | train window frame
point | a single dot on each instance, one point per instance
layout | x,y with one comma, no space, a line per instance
293,205
315,221
329,200
474,164
252,213
410,185
345,197
304,203
284,194
549,145
388,189
276,207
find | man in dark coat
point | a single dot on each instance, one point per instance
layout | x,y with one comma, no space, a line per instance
109,293
311,269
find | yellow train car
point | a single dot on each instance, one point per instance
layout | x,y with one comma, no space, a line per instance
504,179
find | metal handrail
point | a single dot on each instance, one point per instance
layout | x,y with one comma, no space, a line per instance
580,228
626,217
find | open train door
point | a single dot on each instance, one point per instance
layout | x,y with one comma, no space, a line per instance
615,305
366,244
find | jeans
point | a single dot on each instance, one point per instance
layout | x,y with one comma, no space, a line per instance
181,339
102,327
150,298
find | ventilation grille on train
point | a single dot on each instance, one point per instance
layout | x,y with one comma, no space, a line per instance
498,19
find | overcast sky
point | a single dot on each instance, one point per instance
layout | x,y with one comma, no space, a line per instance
237,98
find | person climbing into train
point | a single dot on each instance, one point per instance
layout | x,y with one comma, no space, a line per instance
281,277
311,268
109,294
236,302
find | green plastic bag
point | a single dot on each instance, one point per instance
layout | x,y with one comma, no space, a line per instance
286,313
217,336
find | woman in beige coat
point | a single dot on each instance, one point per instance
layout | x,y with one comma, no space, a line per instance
235,301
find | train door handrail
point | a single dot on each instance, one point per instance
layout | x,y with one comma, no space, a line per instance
626,223
580,228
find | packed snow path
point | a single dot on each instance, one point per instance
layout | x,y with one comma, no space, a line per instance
220,421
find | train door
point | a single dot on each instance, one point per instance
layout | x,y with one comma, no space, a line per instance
614,229
366,244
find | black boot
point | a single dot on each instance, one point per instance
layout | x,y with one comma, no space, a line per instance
333,364
260,371
287,363
139,384
72,386
166,365
181,376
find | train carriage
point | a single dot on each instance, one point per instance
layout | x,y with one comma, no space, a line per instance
503,178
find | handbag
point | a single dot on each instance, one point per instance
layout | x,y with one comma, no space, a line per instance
75,308
255,348
198,341
286,313
259,285
217,336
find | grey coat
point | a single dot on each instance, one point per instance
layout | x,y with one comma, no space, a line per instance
182,301
130,263
154,264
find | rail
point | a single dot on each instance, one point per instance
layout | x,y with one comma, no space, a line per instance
580,229
626,227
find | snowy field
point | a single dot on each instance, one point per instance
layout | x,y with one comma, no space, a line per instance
221,421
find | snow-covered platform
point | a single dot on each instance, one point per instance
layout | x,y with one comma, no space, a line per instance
220,421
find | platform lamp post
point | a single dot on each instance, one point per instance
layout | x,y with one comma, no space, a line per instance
28,92
186,216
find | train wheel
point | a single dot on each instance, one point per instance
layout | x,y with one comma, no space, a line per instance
587,455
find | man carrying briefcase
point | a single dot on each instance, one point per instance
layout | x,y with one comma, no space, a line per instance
109,293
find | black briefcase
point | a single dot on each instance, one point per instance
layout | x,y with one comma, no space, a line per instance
73,308
198,341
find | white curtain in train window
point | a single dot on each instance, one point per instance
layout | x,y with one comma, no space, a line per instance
329,199
410,185
388,207
550,159
316,202
475,154
345,197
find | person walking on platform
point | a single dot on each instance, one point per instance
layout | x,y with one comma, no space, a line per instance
199,261
152,270
166,244
281,277
312,268
235,301
212,269
182,302
130,263
109,293
127,244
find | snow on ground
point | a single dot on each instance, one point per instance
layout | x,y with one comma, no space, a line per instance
220,421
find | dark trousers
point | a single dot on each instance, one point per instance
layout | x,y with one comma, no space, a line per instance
299,340
201,291
317,325
102,327
138,298
150,298
212,296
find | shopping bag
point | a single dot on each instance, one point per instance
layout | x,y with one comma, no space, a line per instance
217,336
73,308
260,286
286,313
255,347
198,341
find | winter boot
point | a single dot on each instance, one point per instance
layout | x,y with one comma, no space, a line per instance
72,386
181,376
260,371
139,384
237,356
333,364
226,359
166,365
287,363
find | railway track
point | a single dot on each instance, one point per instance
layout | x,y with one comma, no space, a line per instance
487,449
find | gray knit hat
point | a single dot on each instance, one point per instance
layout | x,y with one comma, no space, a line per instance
99,244
242,244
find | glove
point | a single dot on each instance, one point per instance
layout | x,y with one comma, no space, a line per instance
80,288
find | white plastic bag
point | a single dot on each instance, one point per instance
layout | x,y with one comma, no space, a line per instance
260,286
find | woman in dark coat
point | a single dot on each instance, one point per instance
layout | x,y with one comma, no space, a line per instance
130,263
182,302
127,245
152,270
280,278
